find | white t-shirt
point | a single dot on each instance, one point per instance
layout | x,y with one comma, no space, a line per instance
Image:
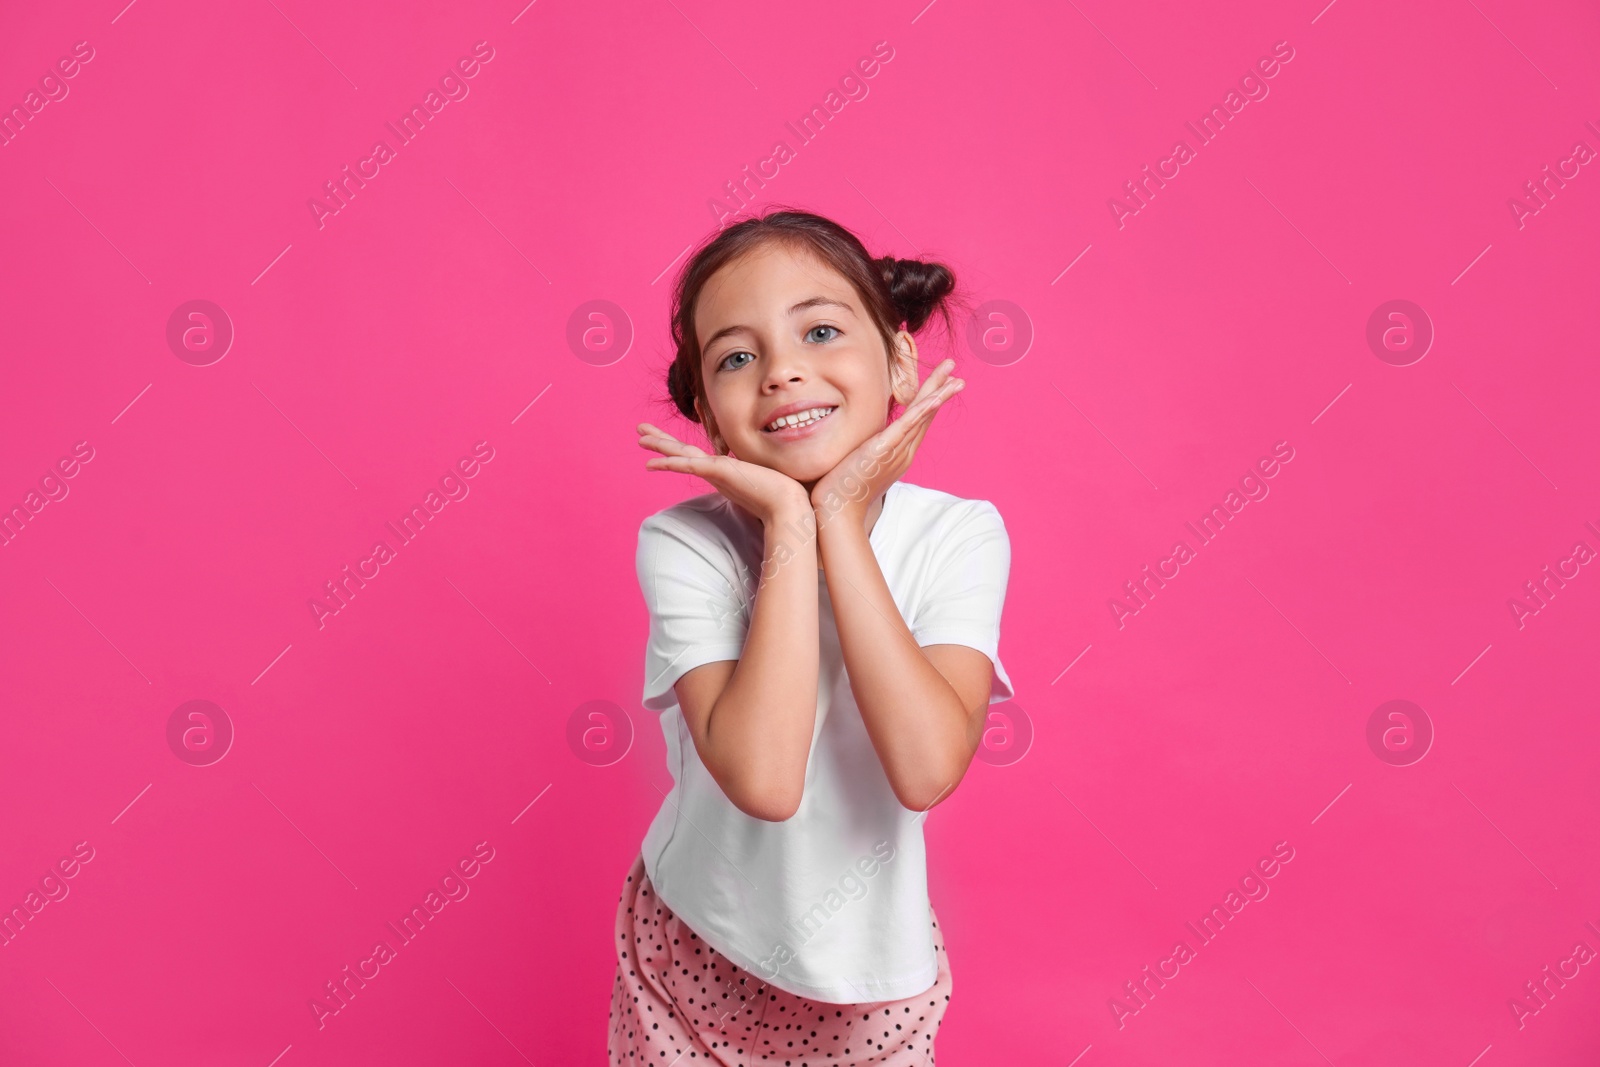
832,903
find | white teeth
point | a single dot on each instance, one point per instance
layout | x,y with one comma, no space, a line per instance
800,418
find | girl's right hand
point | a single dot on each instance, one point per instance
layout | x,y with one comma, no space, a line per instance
767,494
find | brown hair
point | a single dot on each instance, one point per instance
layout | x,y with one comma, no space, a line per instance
895,291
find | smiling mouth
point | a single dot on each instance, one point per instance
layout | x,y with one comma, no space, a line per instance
799,420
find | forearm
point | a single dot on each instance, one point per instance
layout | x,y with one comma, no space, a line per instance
759,730
923,735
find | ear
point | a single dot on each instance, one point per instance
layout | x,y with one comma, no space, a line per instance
718,445
903,368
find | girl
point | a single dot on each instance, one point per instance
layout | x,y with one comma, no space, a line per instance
823,650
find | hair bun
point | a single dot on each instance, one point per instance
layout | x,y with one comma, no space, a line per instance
915,288
680,385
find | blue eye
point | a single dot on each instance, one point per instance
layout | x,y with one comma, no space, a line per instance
727,363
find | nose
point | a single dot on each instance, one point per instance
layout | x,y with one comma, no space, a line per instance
787,365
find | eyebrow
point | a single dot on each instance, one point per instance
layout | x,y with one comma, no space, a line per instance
815,301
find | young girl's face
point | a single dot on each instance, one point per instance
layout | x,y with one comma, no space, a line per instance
783,333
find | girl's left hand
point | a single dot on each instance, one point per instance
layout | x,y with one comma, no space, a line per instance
886,455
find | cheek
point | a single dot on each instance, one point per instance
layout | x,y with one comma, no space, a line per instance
868,384
872,403
734,415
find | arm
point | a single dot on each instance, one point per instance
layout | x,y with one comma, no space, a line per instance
752,718
923,708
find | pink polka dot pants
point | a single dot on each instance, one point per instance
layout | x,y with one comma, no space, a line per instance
677,1001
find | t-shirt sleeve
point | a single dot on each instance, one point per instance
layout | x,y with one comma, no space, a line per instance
695,590
967,590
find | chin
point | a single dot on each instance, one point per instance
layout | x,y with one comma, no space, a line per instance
806,474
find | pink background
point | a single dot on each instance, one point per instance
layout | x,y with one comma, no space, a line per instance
1230,313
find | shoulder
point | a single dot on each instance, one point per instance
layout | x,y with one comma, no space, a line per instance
706,524
933,512
698,514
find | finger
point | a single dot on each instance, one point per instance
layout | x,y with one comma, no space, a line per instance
924,417
891,435
920,407
926,406
942,371
666,448
904,431
669,446
926,386
913,440
913,444
933,381
699,466
892,439
720,471
646,429
941,374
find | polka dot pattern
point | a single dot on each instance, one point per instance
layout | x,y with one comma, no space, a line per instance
677,1001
